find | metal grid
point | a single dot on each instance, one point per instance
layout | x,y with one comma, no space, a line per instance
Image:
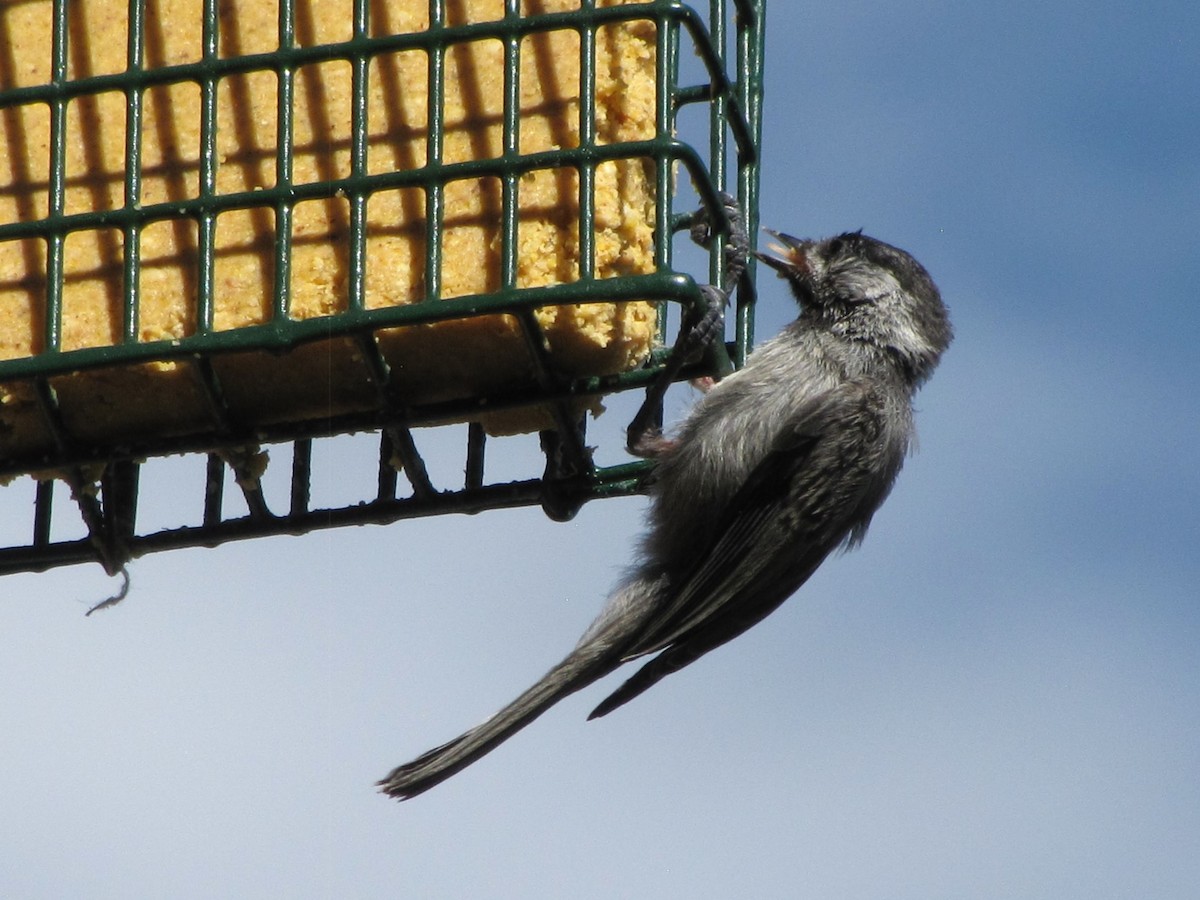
104,480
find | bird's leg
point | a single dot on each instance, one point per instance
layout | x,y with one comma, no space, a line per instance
737,242
701,326
643,436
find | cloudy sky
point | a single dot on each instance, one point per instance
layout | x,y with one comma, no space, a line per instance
997,696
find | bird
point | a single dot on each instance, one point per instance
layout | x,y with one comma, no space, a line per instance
775,467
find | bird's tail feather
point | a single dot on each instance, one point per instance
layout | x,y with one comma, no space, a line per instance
604,647
583,666
644,679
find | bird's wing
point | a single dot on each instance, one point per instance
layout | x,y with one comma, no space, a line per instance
779,527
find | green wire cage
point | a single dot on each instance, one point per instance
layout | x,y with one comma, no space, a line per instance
701,139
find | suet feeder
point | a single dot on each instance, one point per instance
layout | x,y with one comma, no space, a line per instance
236,225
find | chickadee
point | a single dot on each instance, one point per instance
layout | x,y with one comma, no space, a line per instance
775,467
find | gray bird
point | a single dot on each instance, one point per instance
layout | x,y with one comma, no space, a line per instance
774,468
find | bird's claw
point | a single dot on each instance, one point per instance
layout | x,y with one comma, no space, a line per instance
649,443
737,241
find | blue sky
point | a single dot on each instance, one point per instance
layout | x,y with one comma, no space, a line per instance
997,696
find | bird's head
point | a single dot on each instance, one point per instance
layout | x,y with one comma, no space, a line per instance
862,289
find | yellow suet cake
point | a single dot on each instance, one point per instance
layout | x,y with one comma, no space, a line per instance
444,361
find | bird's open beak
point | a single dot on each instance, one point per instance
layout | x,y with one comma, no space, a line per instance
789,253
